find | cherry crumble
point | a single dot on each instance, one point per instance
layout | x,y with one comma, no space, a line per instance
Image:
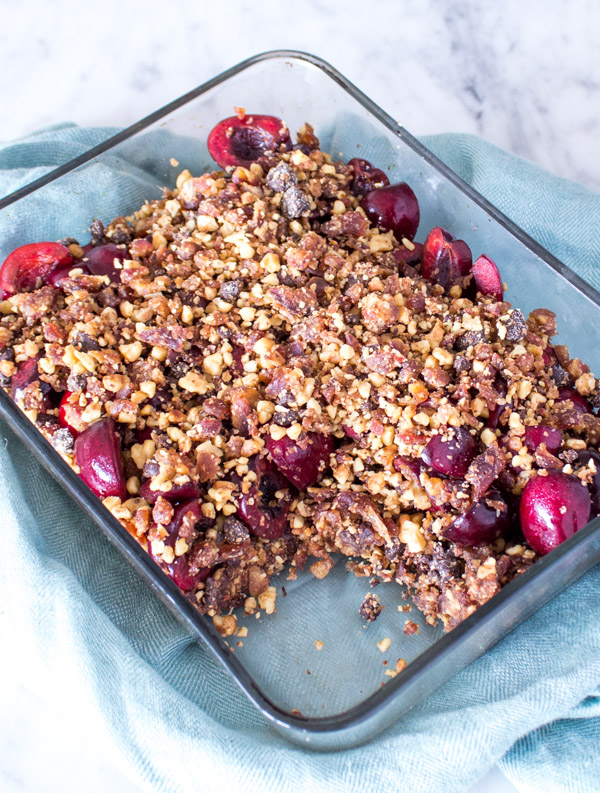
262,370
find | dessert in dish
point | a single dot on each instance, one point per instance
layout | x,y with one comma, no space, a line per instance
263,370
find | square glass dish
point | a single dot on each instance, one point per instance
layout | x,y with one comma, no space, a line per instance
342,701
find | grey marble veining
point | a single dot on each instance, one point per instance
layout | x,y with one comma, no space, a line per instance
524,75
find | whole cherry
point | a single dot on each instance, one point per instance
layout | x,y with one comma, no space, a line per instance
393,208
553,508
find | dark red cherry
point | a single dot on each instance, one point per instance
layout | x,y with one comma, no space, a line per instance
452,453
393,208
584,458
404,255
181,570
241,141
29,266
540,433
445,260
482,523
65,413
302,461
104,259
553,507
177,492
580,403
264,508
487,277
366,177
97,452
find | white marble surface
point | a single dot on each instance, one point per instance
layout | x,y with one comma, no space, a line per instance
525,76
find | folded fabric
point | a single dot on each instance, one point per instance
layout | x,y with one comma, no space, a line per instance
137,679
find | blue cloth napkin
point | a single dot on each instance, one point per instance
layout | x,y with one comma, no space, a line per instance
134,676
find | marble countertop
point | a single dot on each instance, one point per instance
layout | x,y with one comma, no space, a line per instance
524,76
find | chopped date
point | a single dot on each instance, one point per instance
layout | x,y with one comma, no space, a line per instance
230,289
379,312
383,361
174,337
285,418
485,469
62,440
97,231
296,302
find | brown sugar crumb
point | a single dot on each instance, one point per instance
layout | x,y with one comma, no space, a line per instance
384,645
319,644
370,608
410,627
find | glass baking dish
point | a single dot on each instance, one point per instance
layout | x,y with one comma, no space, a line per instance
333,698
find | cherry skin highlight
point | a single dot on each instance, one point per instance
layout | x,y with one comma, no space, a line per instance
181,570
585,457
101,261
176,492
580,403
540,433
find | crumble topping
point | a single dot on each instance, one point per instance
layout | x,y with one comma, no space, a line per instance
260,306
